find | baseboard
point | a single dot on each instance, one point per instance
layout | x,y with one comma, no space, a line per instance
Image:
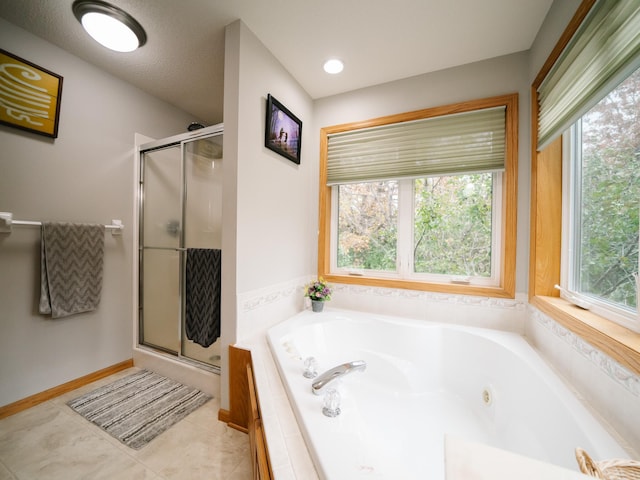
33,400
224,416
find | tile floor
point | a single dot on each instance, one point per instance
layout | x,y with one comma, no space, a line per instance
50,441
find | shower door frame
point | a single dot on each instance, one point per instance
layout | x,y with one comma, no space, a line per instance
180,140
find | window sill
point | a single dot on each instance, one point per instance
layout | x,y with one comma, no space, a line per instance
621,344
448,288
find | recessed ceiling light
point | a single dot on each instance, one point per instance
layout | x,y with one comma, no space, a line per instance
110,26
333,66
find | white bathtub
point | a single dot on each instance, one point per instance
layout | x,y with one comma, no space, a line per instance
424,380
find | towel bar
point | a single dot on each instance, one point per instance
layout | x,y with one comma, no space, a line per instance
7,221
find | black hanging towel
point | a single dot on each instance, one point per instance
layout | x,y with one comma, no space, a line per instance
202,296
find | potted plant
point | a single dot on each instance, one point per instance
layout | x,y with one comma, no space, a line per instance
319,292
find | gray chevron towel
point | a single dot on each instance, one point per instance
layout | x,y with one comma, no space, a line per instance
202,299
71,261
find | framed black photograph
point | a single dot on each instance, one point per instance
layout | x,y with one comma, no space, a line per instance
283,130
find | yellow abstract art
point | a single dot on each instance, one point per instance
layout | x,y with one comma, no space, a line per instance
29,96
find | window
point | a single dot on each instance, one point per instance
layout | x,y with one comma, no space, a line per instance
436,228
603,165
433,210
367,226
597,51
454,226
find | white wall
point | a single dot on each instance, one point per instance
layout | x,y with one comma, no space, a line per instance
85,175
557,19
273,237
277,200
498,76
277,220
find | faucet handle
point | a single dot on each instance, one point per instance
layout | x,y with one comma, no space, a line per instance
331,403
310,368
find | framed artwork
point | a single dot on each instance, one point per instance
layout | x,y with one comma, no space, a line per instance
283,130
29,96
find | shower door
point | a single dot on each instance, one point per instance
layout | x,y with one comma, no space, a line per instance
180,208
203,218
160,253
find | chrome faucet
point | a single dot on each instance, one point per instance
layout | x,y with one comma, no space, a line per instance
336,372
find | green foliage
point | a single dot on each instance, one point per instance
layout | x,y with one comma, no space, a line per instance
611,195
452,229
452,225
367,226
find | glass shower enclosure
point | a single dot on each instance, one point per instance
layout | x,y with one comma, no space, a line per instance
180,208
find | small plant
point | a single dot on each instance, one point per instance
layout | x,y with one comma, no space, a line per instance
318,290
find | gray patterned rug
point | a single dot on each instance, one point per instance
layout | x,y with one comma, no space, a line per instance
137,408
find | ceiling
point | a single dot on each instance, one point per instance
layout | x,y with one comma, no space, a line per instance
378,40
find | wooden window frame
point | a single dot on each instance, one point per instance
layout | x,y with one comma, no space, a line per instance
506,288
620,343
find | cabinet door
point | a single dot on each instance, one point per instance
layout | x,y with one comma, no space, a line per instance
262,462
257,443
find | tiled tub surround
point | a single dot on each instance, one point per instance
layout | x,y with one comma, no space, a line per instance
261,309
288,454
423,381
609,388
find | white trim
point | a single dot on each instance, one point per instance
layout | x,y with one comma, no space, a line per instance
405,235
571,223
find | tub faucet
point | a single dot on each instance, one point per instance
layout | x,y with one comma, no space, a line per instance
336,372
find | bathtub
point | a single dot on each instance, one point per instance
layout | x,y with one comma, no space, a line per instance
423,381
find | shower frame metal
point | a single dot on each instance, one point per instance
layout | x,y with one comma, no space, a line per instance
182,140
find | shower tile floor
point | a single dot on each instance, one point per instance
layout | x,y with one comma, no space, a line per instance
50,442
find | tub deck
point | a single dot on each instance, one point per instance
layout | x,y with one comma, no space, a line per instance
396,414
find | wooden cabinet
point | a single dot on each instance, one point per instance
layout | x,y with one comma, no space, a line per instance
257,441
244,412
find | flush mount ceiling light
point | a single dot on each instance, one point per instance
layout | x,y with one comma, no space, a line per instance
110,26
333,66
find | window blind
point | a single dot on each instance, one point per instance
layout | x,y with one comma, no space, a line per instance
604,51
451,144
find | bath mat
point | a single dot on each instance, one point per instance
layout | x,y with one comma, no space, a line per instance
137,408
